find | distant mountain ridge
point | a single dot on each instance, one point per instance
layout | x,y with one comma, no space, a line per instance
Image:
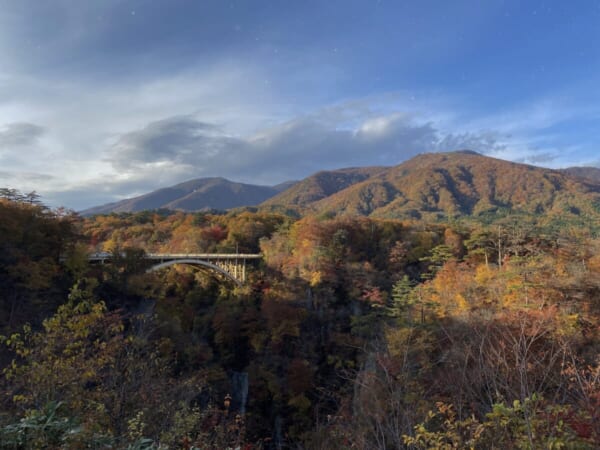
588,174
430,186
195,195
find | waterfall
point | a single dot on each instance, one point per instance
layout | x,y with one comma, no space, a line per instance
278,432
239,394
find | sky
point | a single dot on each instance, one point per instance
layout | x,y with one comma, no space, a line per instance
102,100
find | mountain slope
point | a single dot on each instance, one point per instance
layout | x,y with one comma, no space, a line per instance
440,185
194,195
321,185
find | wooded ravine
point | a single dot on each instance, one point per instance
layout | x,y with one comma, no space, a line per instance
465,326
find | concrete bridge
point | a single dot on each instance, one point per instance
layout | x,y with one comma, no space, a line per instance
230,265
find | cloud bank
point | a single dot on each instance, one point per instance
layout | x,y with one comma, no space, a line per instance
183,146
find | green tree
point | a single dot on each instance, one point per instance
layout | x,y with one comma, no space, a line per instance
439,255
401,301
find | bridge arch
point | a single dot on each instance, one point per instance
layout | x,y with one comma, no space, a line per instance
195,262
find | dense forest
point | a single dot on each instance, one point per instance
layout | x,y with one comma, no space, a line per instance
351,332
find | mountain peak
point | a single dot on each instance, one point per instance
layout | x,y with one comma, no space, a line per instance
468,152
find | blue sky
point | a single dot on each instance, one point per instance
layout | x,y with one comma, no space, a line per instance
101,100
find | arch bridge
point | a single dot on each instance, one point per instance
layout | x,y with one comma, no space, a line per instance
230,265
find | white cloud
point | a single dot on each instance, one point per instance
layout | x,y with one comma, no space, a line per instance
379,126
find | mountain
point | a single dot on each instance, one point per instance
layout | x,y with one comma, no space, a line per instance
441,185
589,174
319,186
195,195
430,186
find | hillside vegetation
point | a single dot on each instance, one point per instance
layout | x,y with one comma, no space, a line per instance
320,185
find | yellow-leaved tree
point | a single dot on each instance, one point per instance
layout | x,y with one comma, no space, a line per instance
84,359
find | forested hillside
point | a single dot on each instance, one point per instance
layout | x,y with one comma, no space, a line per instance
446,186
352,332
320,185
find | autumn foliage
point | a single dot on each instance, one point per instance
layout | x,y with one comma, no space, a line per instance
350,333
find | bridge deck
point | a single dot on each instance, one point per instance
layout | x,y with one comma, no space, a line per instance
172,256
203,255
